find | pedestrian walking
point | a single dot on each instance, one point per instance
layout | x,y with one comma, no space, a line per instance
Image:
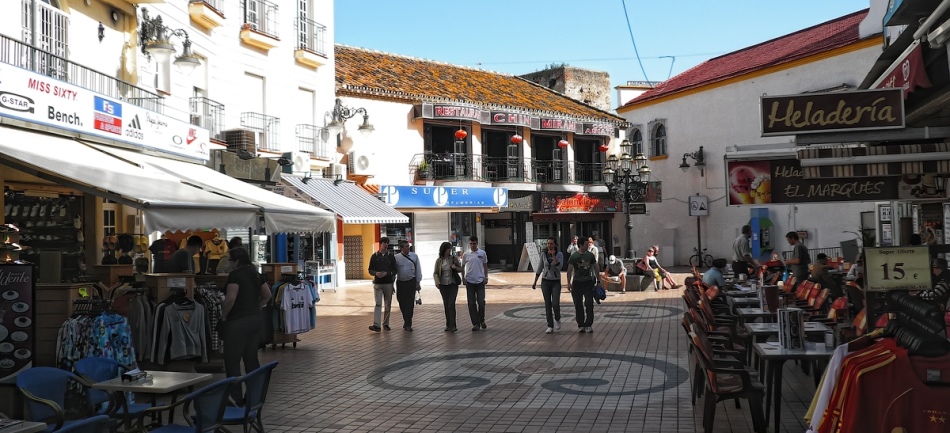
582,270
408,282
475,263
447,279
382,266
550,273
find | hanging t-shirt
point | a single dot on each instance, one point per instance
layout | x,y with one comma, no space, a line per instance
296,301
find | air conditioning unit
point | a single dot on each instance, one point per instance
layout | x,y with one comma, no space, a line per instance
338,171
360,162
300,163
240,139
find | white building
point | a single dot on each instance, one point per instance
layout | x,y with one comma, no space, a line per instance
716,106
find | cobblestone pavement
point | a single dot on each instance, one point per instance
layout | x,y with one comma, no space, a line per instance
630,374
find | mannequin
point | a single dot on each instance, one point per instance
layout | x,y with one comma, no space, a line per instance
215,248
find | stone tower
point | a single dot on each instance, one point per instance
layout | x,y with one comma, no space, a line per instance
589,87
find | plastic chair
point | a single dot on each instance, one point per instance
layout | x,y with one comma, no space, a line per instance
45,390
208,409
249,415
727,382
88,425
115,406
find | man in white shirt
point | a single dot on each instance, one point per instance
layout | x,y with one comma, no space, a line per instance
475,264
408,278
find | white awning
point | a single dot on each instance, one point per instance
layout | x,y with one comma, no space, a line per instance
168,204
281,214
350,202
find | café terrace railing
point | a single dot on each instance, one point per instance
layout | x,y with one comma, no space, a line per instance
22,55
463,166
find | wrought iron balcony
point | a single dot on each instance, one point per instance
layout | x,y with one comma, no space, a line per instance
589,173
311,36
462,166
22,55
208,114
310,140
261,16
266,128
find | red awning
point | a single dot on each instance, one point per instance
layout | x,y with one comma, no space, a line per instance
571,217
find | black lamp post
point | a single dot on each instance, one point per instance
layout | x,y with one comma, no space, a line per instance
626,179
342,113
156,41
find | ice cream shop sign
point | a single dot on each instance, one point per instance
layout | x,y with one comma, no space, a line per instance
832,111
782,182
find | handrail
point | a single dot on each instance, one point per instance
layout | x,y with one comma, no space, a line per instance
26,56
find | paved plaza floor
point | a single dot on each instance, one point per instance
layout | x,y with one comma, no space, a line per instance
630,375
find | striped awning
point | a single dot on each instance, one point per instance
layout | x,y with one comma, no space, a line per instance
873,161
351,204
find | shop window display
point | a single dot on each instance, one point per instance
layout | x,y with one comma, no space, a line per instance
49,226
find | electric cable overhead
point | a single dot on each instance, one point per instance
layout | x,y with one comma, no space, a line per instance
630,29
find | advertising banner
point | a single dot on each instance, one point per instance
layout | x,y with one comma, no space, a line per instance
782,182
36,98
833,111
401,197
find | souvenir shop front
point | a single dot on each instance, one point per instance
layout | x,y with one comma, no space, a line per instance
444,214
64,202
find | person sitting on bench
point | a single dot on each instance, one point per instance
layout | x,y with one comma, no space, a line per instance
614,272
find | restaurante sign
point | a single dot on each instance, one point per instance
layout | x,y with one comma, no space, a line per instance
832,111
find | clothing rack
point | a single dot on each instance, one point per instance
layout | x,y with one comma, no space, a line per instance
917,325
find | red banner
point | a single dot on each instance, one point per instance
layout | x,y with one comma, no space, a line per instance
908,73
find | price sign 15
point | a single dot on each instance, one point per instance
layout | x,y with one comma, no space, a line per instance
897,268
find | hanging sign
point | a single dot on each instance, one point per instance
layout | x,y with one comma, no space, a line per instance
897,268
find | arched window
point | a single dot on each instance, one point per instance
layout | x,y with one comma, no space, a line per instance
636,139
658,147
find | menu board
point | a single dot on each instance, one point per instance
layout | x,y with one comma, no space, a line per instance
897,268
17,315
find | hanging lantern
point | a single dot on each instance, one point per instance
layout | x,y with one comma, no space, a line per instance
563,144
460,134
516,139
603,147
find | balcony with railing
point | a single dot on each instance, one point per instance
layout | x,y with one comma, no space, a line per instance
507,170
22,55
208,114
311,43
266,130
310,140
260,28
589,173
206,13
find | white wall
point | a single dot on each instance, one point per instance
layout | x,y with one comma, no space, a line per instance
728,116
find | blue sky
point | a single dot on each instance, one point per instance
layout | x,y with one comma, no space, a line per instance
523,36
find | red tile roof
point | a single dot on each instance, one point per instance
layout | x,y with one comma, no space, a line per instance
837,33
373,74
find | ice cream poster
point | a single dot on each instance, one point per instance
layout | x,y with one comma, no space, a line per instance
782,182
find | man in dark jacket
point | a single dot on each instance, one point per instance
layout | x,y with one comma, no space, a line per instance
181,261
383,268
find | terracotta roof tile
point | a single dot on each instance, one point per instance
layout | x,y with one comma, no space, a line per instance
368,73
820,38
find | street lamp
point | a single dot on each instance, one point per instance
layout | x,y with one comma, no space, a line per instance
695,156
156,41
341,113
626,179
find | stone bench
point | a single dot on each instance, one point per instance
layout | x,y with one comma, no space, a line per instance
640,283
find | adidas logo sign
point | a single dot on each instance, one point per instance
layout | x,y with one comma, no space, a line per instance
134,129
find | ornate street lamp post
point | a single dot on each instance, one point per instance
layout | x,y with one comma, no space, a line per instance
626,179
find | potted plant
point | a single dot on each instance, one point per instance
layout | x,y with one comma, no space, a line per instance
422,170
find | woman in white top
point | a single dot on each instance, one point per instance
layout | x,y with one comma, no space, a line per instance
447,279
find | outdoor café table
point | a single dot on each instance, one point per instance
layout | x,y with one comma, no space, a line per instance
161,383
774,357
759,330
22,426
752,314
735,303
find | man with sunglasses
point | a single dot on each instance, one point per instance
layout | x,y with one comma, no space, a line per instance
475,265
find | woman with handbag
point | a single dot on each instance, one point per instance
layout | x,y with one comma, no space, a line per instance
447,279
550,268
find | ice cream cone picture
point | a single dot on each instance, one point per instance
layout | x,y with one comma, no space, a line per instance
762,189
740,182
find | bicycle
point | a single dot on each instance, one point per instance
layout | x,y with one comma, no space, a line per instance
694,260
